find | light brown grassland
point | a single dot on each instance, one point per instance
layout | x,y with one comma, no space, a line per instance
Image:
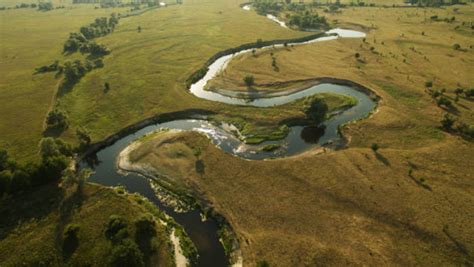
354,206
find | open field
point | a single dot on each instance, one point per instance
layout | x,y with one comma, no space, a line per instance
409,203
402,61
32,227
347,207
31,39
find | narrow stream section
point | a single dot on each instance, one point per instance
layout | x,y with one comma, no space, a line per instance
204,233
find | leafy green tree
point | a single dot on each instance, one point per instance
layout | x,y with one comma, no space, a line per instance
54,147
57,119
126,253
84,138
116,228
315,109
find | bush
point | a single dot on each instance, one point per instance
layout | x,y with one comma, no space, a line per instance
444,101
53,147
45,6
469,92
116,228
57,119
428,84
465,130
456,46
447,122
52,67
126,253
249,80
375,147
315,109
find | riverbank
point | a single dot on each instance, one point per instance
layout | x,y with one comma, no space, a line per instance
285,88
177,190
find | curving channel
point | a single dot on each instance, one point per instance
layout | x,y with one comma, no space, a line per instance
300,138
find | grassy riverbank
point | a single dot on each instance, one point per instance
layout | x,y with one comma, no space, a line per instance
32,228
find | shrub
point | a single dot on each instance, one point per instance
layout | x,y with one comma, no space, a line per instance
444,101
375,147
126,253
116,228
469,92
54,147
249,80
428,84
57,119
45,6
447,122
458,91
456,46
52,67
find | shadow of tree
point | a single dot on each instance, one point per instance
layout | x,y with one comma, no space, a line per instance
70,244
53,132
25,206
382,159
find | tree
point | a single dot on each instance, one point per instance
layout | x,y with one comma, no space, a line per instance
54,147
456,46
139,29
458,91
106,87
57,119
374,147
126,253
249,80
428,84
447,122
116,228
444,101
84,138
315,109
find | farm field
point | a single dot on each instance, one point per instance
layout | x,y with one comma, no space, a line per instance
256,169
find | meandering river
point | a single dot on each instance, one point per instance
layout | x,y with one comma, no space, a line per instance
299,139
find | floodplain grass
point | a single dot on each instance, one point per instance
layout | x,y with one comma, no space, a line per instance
408,50
362,207
31,39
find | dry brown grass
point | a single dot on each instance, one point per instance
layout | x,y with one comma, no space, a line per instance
350,206
355,206
402,61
